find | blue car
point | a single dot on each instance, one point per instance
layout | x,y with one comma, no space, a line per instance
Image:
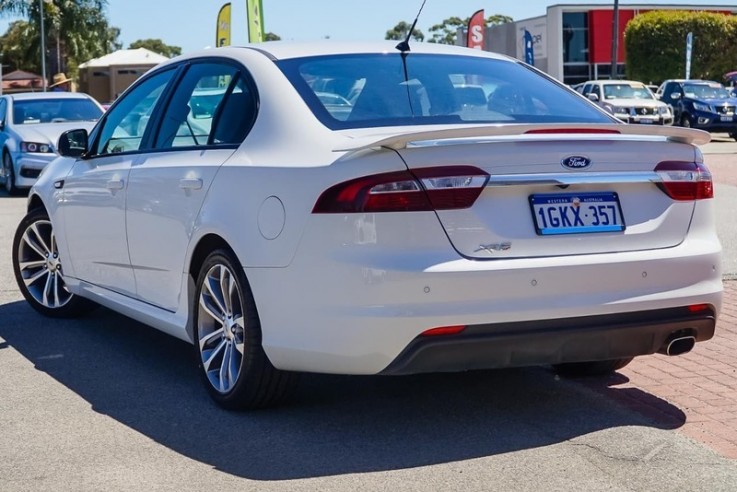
701,104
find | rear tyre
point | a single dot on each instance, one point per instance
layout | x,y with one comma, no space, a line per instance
38,269
591,369
233,365
9,175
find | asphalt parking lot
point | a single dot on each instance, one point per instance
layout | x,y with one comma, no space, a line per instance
105,403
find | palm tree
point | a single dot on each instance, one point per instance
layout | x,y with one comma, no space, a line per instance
76,30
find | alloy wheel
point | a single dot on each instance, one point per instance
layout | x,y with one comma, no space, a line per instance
40,266
221,328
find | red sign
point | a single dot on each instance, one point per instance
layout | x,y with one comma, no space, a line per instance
476,26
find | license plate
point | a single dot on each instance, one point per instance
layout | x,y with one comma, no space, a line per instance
576,213
726,118
646,121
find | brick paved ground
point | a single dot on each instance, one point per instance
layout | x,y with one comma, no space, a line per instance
695,393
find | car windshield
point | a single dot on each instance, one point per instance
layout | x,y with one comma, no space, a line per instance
705,91
376,90
627,91
54,111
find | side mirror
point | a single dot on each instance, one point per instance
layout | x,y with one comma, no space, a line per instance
675,95
593,97
73,143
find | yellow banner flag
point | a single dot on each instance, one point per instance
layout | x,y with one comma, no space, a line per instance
255,15
222,31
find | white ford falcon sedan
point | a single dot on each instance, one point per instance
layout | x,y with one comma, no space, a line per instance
357,209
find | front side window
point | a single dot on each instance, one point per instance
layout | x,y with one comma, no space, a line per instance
208,94
126,123
367,90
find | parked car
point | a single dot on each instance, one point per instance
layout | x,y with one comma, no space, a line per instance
631,102
30,126
702,104
417,234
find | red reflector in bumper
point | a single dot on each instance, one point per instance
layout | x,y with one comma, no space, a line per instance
443,330
695,308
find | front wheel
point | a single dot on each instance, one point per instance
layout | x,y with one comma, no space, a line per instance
733,135
38,269
9,175
685,121
591,369
233,365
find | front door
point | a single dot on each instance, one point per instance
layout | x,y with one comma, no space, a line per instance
94,193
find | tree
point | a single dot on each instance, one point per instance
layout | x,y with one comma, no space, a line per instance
399,32
447,31
270,36
656,45
15,45
157,46
75,31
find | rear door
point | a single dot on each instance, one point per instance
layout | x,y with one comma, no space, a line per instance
208,115
562,195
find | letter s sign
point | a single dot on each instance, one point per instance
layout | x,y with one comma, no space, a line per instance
477,34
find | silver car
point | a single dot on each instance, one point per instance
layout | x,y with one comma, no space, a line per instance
30,126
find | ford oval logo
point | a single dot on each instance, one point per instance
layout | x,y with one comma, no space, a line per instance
576,162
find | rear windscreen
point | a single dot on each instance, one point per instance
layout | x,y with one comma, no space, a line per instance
365,90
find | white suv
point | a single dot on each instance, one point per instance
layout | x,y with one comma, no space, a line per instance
631,102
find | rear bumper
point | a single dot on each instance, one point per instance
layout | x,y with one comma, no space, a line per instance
528,343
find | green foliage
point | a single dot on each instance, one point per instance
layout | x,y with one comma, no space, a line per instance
16,49
75,31
447,31
656,45
270,36
399,32
157,46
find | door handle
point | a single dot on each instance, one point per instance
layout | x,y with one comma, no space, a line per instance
190,183
115,184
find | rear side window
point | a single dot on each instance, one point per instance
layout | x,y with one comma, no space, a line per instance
211,105
365,90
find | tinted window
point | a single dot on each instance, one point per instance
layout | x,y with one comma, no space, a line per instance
200,99
54,111
126,123
438,89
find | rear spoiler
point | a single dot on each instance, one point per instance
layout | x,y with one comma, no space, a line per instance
402,140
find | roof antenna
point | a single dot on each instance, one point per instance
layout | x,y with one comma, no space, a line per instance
404,45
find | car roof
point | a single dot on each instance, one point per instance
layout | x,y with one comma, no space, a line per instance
283,50
30,96
614,82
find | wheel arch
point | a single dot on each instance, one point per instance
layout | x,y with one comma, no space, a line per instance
203,247
34,202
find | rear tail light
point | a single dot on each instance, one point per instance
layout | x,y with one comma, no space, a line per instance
685,180
426,189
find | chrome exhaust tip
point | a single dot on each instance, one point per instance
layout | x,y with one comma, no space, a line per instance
678,345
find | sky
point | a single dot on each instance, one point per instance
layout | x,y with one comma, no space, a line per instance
190,24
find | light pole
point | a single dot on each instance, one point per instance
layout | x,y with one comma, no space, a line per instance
615,40
43,44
